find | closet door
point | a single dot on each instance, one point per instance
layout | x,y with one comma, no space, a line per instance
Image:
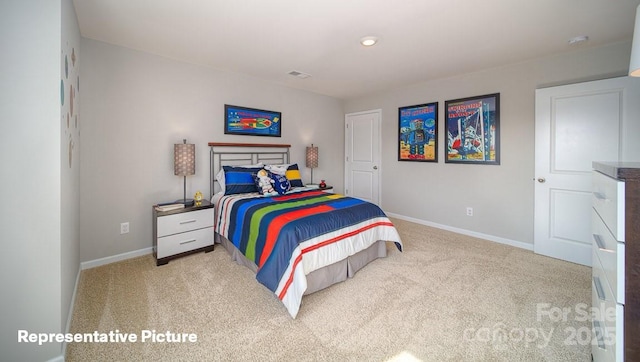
575,125
362,155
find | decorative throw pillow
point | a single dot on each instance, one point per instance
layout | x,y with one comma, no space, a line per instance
293,175
240,180
220,174
281,184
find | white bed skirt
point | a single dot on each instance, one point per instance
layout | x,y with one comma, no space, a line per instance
323,277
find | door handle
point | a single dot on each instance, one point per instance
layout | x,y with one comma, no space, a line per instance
542,180
375,167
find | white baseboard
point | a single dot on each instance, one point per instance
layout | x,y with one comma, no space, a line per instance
497,239
112,259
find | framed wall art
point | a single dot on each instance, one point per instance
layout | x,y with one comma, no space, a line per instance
418,133
252,122
473,130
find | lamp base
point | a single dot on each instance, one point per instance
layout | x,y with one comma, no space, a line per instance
186,202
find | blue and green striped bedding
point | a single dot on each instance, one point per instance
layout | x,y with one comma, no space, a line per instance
291,235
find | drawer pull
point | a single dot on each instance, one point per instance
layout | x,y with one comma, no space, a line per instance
600,243
187,241
187,221
599,290
599,331
600,196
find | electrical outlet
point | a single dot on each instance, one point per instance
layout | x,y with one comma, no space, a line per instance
469,211
124,227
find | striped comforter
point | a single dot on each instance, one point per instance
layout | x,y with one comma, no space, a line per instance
290,236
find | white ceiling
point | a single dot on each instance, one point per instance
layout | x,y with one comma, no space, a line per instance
420,40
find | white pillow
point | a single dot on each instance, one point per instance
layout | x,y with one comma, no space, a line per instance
220,175
277,169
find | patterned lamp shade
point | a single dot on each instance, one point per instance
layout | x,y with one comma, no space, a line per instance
184,159
312,157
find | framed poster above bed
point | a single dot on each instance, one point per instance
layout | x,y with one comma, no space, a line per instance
251,121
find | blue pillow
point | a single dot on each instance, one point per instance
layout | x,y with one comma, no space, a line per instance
240,180
281,184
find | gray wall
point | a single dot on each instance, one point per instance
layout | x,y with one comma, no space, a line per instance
40,206
135,106
502,196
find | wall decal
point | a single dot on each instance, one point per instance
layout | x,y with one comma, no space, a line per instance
70,152
71,96
69,103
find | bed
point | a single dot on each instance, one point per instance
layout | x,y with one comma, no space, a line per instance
297,242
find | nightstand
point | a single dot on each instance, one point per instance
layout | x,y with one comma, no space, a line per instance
183,231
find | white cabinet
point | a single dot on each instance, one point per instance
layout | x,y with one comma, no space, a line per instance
616,261
183,231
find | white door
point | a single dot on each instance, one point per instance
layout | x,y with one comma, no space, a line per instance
362,155
575,125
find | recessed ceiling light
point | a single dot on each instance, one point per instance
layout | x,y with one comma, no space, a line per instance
368,41
578,39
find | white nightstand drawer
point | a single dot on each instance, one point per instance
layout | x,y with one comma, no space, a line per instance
610,254
608,200
180,243
186,221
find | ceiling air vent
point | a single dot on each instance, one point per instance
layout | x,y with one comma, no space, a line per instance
300,75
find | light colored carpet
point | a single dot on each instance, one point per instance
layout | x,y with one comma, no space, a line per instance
447,297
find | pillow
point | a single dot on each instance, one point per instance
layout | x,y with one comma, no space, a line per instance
279,169
220,175
280,183
293,175
240,180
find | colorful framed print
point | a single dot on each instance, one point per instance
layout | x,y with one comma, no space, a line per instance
252,122
418,133
473,130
